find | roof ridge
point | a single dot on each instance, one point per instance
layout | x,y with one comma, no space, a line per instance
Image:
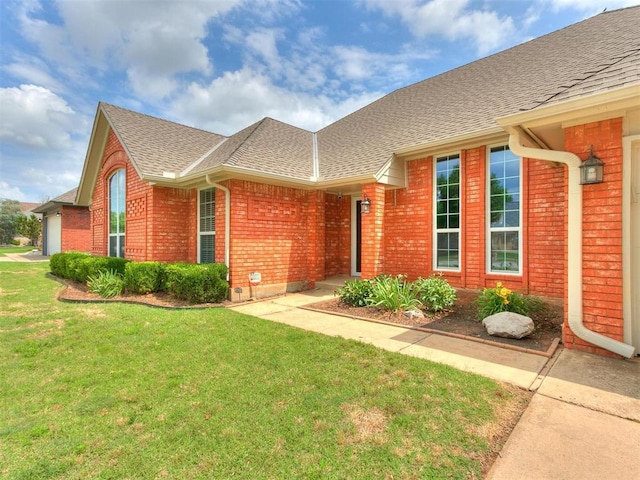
253,127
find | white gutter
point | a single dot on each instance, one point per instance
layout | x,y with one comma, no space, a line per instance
574,240
227,220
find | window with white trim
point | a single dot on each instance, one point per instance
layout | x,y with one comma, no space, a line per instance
504,212
117,214
207,226
447,212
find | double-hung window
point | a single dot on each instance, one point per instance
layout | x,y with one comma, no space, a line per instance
207,226
504,215
447,212
116,214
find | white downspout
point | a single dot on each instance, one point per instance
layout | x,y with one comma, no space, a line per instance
574,240
227,220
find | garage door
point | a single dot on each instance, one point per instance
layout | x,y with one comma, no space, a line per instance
54,234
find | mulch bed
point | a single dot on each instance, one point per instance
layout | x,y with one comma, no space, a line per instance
461,320
77,292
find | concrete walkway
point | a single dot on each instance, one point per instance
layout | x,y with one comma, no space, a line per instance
24,257
582,423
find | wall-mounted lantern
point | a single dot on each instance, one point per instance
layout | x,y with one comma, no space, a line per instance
591,170
365,205
58,213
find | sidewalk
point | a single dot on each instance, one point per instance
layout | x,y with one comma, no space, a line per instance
582,423
23,257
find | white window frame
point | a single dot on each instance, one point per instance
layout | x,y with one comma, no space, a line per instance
437,230
490,229
201,232
120,235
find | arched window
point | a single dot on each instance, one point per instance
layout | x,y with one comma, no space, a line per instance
116,214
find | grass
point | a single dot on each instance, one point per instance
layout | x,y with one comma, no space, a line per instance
24,249
127,391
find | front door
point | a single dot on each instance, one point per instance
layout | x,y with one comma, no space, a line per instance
356,237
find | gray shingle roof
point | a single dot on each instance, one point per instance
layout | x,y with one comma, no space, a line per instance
268,146
157,145
595,55
67,197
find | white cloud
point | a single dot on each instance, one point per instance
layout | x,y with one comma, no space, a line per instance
32,70
153,42
12,193
450,19
36,118
238,99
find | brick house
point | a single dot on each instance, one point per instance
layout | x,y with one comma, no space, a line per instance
65,226
475,173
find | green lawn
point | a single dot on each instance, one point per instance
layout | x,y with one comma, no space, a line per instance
5,250
127,391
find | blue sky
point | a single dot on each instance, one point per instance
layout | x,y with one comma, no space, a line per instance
221,65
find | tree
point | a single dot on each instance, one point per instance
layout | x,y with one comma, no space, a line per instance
29,227
9,211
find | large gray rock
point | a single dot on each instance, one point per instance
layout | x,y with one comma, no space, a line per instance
508,325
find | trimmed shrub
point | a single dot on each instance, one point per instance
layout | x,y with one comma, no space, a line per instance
80,266
64,265
107,284
355,292
434,292
143,277
197,283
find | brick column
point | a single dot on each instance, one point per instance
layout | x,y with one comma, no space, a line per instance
602,234
315,237
373,231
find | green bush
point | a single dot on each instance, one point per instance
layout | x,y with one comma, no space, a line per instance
393,293
501,299
66,265
434,292
15,242
143,277
80,266
355,292
107,283
197,283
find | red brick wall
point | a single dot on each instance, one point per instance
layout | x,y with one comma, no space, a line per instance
76,229
408,223
546,227
337,235
602,233
373,231
276,231
474,191
171,225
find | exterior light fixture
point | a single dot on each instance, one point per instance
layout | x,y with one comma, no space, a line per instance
57,214
365,205
591,170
